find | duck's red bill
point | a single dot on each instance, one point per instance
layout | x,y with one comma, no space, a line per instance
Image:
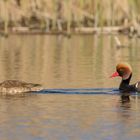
115,74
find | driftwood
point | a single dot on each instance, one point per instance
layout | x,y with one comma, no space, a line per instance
98,29
82,30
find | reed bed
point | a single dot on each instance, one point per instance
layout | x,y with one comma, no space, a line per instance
60,15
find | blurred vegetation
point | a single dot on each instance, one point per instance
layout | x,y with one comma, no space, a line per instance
67,14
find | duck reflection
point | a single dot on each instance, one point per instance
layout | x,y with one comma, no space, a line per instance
125,107
125,97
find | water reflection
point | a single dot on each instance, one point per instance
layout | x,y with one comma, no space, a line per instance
80,65
64,116
59,62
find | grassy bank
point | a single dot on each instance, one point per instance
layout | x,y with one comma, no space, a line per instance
66,15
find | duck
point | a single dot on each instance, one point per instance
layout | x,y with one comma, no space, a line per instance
124,70
17,87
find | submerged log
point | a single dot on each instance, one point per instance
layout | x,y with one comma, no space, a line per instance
118,42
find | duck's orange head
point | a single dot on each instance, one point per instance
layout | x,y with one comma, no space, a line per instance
123,70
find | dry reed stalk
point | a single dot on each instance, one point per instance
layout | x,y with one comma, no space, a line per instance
102,12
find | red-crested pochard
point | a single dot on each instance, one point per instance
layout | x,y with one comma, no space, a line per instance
124,70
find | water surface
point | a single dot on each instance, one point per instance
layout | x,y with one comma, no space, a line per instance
59,62
80,101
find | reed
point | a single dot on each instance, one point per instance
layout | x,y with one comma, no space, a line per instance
70,13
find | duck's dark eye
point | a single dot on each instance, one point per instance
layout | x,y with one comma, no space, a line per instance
121,72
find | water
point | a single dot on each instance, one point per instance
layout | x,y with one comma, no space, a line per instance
69,117
80,101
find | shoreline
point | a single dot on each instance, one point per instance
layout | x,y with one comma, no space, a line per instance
76,31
